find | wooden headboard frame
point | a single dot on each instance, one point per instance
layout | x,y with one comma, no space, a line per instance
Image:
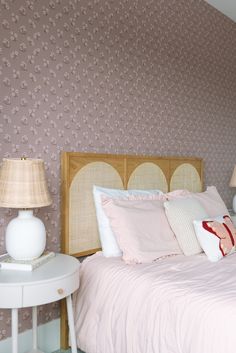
80,171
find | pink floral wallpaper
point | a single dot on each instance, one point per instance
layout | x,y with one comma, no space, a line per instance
128,76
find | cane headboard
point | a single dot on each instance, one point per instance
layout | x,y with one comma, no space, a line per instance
80,171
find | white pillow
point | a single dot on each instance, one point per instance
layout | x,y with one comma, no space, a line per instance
180,214
107,237
217,236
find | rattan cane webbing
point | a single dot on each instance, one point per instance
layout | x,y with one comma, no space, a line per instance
186,177
148,176
82,217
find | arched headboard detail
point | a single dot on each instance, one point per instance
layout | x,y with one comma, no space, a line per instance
148,176
80,171
82,216
187,177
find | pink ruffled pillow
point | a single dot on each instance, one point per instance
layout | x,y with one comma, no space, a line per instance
141,229
176,194
211,201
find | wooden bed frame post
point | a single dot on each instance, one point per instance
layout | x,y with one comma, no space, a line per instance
64,338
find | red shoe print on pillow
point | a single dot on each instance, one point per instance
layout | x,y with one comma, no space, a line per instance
226,232
229,224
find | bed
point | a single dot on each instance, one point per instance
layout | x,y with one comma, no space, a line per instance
177,304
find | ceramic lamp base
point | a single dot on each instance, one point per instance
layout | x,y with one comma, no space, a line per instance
234,204
25,236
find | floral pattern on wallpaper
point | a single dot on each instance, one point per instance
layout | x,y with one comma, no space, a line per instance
127,76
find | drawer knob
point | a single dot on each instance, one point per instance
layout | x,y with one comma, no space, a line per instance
60,291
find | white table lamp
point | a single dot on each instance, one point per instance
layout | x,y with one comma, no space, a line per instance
233,184
23,186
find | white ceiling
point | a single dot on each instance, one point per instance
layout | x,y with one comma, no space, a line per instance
227,7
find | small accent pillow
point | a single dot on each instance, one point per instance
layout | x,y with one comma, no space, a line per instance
211,201
108,241
180,213
217,236
141,229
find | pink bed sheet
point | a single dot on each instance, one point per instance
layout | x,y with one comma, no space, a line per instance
175,305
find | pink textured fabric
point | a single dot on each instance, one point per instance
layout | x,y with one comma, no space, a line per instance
176,194
180,304
141,229
211,201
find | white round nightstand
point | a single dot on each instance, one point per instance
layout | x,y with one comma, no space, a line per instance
52,281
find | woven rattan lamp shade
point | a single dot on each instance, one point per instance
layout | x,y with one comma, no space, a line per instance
23,184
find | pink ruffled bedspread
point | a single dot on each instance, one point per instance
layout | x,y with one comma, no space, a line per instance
176,305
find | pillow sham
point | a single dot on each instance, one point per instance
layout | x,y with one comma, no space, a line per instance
175,194
180,213
107,238
141,229
217,236
211,201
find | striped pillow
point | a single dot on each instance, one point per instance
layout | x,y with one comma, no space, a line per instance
180,214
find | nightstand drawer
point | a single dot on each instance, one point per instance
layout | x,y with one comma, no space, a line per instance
11,297
50,292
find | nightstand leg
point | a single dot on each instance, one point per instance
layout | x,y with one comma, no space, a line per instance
71,324
14,329
35,327
35,348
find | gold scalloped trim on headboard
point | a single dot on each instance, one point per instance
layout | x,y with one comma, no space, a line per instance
80,171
